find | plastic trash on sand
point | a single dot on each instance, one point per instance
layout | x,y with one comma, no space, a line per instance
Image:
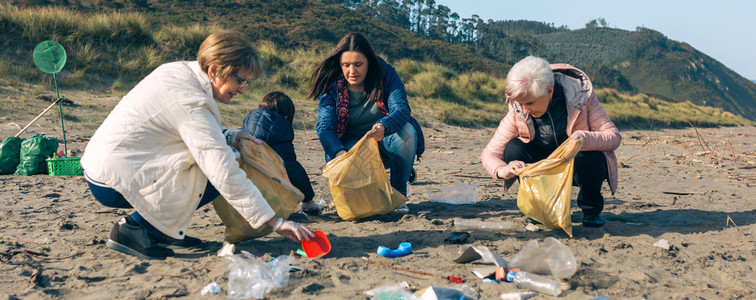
251,277
470,253
211,288
546,187
552,258
472,224
443,293
392,292
458,194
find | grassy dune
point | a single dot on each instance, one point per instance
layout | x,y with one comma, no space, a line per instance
110,52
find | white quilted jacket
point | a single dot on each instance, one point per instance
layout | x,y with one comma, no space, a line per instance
162,143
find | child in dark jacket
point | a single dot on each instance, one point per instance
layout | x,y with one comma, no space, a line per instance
271,123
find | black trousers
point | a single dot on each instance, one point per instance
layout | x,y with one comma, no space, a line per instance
589,171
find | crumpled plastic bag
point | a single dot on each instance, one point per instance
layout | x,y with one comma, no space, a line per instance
546,187
10,155
250,277
359,185
552,258
34,151
266,170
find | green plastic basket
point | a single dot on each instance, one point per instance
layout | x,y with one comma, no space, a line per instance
64,166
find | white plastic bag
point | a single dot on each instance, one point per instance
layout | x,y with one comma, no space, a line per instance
251,277
554,258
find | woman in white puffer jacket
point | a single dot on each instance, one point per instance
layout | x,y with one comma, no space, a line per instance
163,151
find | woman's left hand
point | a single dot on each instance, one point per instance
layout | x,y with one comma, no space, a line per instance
377,132
241,135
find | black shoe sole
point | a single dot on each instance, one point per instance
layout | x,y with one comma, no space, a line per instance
123,249
175,247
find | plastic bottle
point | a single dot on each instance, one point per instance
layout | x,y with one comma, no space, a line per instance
525,280
467,224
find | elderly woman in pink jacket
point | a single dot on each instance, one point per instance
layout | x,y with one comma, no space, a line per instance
548,104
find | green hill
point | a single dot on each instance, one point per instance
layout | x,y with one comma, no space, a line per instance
114,43
646,61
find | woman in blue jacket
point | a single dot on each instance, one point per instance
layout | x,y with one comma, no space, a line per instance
271,123
360,94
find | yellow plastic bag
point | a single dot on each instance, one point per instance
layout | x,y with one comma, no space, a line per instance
546,187
266,170
358,183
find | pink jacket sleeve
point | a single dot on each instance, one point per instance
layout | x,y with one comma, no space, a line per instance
493,153
601,134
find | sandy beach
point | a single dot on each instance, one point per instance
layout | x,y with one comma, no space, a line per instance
691,187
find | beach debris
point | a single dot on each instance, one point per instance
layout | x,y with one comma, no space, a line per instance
729,220
517,296
470,224
441,293
317,246
600,296
391,291
680,193
212,288
470,253
458,194
36,276
531,227
403,249
452,279
553,258
227,249
664,244
251,277
457,238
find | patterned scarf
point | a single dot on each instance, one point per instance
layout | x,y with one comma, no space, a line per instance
342,107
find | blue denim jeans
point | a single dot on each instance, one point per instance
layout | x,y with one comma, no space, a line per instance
398,154
112,198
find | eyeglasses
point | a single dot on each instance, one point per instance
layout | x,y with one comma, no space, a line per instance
242,83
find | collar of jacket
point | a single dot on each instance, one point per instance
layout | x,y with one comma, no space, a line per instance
203,79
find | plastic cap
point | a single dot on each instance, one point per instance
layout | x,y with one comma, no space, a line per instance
510,276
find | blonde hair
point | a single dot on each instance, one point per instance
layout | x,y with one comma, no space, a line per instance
232,51
529,76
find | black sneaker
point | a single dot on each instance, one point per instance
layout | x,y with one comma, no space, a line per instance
132,239
171,243
592,220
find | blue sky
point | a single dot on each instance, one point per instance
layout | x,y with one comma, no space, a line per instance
724,29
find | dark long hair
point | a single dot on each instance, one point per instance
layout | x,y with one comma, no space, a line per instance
326,73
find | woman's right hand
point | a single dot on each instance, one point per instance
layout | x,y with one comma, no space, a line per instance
292,230
510,170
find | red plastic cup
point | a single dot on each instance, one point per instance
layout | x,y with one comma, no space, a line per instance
317,246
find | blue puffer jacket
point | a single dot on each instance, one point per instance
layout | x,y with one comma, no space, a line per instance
273,129
398,107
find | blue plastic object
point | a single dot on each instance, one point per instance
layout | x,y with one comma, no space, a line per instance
403,249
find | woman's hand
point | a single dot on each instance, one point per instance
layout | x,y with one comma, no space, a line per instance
377,132
292,230
241,135
578,135
510,170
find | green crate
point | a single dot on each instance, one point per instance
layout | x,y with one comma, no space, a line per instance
64,166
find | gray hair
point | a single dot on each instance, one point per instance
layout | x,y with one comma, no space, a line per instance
531,75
